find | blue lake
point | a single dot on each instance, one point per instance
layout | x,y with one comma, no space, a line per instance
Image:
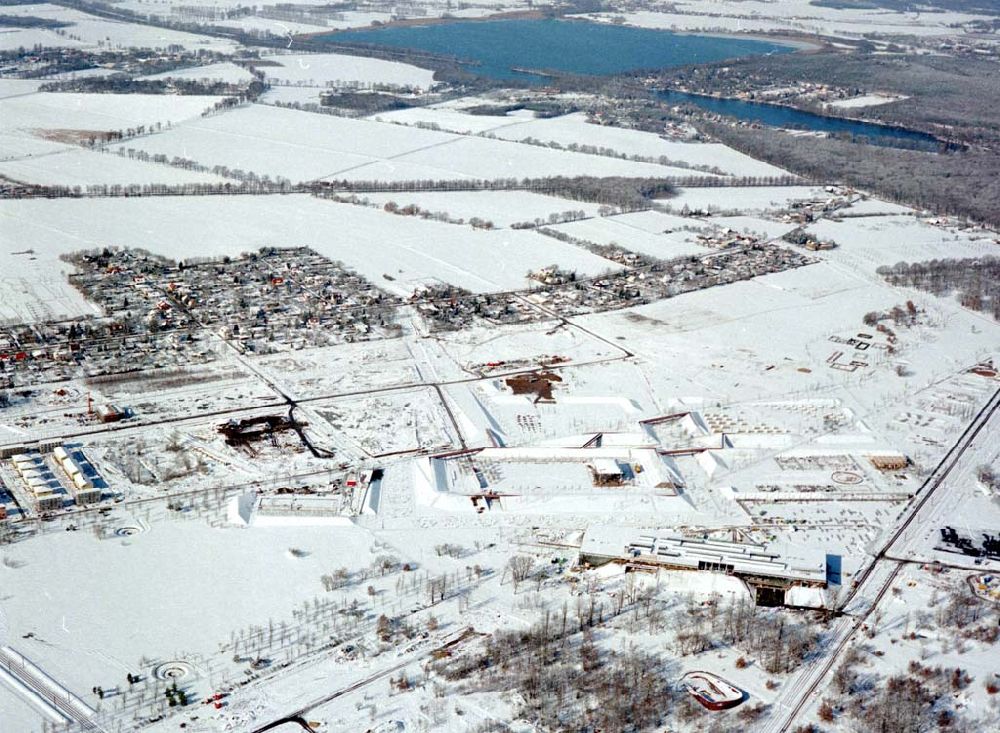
505,49
774,115
498,47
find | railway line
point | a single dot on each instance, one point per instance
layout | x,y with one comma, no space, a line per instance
298,715
876,580
44,691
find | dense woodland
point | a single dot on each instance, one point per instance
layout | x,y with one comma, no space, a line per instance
948,97
984,7
975,281
45,62
964,184
123,84
571,679
29,21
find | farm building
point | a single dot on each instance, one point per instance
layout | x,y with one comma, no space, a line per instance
889,461
110,413
607,472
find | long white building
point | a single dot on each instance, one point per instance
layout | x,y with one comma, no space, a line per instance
768,569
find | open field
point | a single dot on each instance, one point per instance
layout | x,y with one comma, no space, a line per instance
797,16
97,112
503,208
279,142
332,69
225,72
76,167
670,241
303,146
87,31
573,130
409,251
744,200
20,145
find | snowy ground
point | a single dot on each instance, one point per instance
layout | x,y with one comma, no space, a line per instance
742,411
792,15
303,146
97,112
865,100
407,249
575,130
325,69
503,208
224,71
87,31
76,167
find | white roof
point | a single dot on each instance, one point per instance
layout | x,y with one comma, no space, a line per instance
606,467
773,560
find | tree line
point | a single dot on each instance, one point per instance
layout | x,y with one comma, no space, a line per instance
976,280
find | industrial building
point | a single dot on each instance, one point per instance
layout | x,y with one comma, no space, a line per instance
767,570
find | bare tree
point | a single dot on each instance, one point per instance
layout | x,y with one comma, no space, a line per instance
520,568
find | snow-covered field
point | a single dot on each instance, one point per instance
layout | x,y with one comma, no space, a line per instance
337,528
224,71
751,16
476,157
189,608
575,130
744,200
18,87
885,240
34,289
88,31
407,249
865,100
97,112
76,167
669,242
11,39
324,69
503,208
21,144
282,142
303,146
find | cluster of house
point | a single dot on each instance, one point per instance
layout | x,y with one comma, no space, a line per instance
447,308
665,279
155,312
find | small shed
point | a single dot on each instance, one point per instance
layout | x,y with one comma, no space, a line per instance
889,461
607,472
109,413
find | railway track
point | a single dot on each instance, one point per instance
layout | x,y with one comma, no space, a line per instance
299,715
50,693
882,572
